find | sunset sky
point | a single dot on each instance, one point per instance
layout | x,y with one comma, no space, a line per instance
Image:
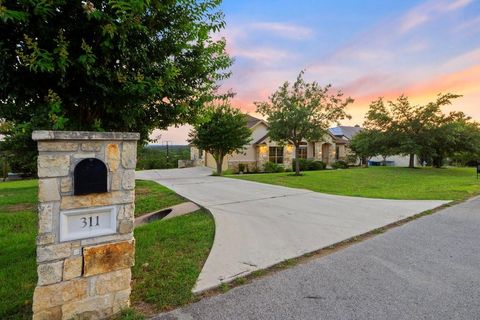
367,49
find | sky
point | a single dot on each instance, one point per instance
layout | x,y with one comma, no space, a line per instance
367,49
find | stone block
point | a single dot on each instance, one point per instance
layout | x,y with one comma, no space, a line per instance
125,226
121,300
54,313
113,281
128,180
83,155
91,308
48,190
112,155
53,252
53,295
53,165
72,267
127,212
49,273
91,146
45,217
97,199
109,238
116,181
66,185
108,257
45,238
57,146
129,155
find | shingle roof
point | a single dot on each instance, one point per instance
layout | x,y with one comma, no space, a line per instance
345,131
251,121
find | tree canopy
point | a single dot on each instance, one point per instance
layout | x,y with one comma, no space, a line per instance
302,111
115,65
422,130
221,130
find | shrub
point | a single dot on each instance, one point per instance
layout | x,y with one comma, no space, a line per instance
340,164
271,167
308,164
317,165
241,168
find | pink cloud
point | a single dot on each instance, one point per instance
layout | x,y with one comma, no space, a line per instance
427,11
285,30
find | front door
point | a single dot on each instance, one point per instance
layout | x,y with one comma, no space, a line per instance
326,153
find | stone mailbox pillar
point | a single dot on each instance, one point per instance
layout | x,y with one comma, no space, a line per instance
85,244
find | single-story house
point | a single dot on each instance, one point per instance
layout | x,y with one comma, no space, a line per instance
262,149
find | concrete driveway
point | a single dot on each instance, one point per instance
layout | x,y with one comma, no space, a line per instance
259,225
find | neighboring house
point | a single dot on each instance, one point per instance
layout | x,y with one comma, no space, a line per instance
347,133
262,149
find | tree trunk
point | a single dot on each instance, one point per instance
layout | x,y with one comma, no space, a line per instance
364,162
297,160
219,162
437,162
412,161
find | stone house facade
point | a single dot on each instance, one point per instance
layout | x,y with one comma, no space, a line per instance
262,150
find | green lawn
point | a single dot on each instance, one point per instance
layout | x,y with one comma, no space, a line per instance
178,247
150,196
381,182
169,257
18,228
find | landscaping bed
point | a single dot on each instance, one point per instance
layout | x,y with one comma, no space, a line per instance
169,254
381,182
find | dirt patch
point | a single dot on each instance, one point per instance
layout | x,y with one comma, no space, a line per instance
145,308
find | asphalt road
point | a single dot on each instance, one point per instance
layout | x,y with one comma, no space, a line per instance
426,269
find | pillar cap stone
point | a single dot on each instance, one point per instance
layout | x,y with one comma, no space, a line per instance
42,135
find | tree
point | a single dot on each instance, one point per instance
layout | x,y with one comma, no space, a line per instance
99,65
221,130
369,143
455,133
410,124
303,111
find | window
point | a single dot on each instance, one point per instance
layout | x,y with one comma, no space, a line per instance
275,154
302,151
337,152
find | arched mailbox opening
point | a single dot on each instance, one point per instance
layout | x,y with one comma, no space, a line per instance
90,176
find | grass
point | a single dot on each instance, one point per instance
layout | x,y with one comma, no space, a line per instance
170,256
178,246
18,228
150,196
381,182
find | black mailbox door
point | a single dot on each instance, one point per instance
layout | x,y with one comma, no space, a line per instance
90,176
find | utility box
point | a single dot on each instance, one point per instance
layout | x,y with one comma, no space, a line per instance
85,243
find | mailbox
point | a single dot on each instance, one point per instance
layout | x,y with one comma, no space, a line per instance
90,176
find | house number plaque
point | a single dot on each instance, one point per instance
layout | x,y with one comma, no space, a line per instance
87,223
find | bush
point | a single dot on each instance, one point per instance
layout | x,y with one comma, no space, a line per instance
317,165
308,165
271,167
340,164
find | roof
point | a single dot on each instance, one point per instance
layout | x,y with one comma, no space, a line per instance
261,139
252,121
345,131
